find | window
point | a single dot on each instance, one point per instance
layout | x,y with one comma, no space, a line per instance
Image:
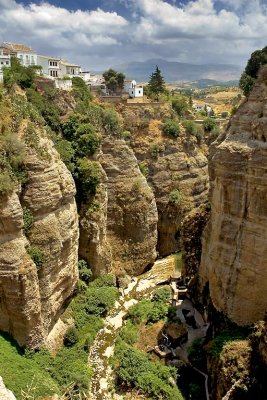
53,73
7,62
53,63
139,91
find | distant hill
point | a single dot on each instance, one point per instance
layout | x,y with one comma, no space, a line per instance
206,83
180,72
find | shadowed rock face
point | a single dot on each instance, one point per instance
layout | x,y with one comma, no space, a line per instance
234,251
31,300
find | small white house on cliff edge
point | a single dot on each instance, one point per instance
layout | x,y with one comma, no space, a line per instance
136,90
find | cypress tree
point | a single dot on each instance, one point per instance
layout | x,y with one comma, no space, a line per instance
156,84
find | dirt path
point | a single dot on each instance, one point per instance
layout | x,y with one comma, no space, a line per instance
102,382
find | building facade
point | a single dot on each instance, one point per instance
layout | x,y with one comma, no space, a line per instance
136,90
4,62
26,55
50,66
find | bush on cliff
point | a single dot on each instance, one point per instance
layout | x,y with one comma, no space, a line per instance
171,128
134,369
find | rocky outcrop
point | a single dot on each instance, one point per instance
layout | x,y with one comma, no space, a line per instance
33,289
176,170
5,394
119,227
234,250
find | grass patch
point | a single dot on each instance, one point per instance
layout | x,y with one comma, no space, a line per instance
70,365
18,371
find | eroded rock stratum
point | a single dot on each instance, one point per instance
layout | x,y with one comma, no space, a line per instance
234,251
32,296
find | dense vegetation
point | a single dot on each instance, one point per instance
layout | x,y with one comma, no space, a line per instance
114,80
135,369
248,77
40,373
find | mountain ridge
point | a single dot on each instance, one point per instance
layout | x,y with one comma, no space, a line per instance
174,71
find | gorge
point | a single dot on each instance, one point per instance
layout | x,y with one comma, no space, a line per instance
141,195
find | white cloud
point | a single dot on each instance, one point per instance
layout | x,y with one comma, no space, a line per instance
199,31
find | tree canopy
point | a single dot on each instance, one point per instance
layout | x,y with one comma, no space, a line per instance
114,80
248,77
156,84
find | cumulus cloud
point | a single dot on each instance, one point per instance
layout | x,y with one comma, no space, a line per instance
199,31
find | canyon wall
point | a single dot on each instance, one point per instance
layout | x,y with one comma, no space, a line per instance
38,265
176,170
234,252
119,232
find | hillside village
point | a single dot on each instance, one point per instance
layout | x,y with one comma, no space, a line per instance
54,68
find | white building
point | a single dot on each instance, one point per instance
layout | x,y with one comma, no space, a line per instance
136,90
69,69
50,66
26,55
4,62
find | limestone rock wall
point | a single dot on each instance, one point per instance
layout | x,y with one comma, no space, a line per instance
234,253
121,234
174,166
31,298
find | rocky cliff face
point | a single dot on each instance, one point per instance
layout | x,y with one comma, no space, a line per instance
34,288
119,231
234,250
176,170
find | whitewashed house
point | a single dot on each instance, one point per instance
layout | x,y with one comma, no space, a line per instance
135,90
69,69
4,62
50,66
25,54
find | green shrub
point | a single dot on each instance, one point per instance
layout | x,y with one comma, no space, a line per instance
80,90
189,126
99,300
171,128
85,273
107,280
144,168
19,372
37,256
180,105
66,152
209,124
163,294
28,219
111,122
126,135
71,337
70,127
88,175
155,151
176,197
224,114
17,73
129,333
87,140
135,369
7,184
147,311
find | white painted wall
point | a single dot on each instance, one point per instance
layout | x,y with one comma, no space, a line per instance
27,59
4,61
64,84
137,91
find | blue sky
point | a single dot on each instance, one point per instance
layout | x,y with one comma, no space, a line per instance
99,34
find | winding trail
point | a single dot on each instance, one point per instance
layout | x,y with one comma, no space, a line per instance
102,381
